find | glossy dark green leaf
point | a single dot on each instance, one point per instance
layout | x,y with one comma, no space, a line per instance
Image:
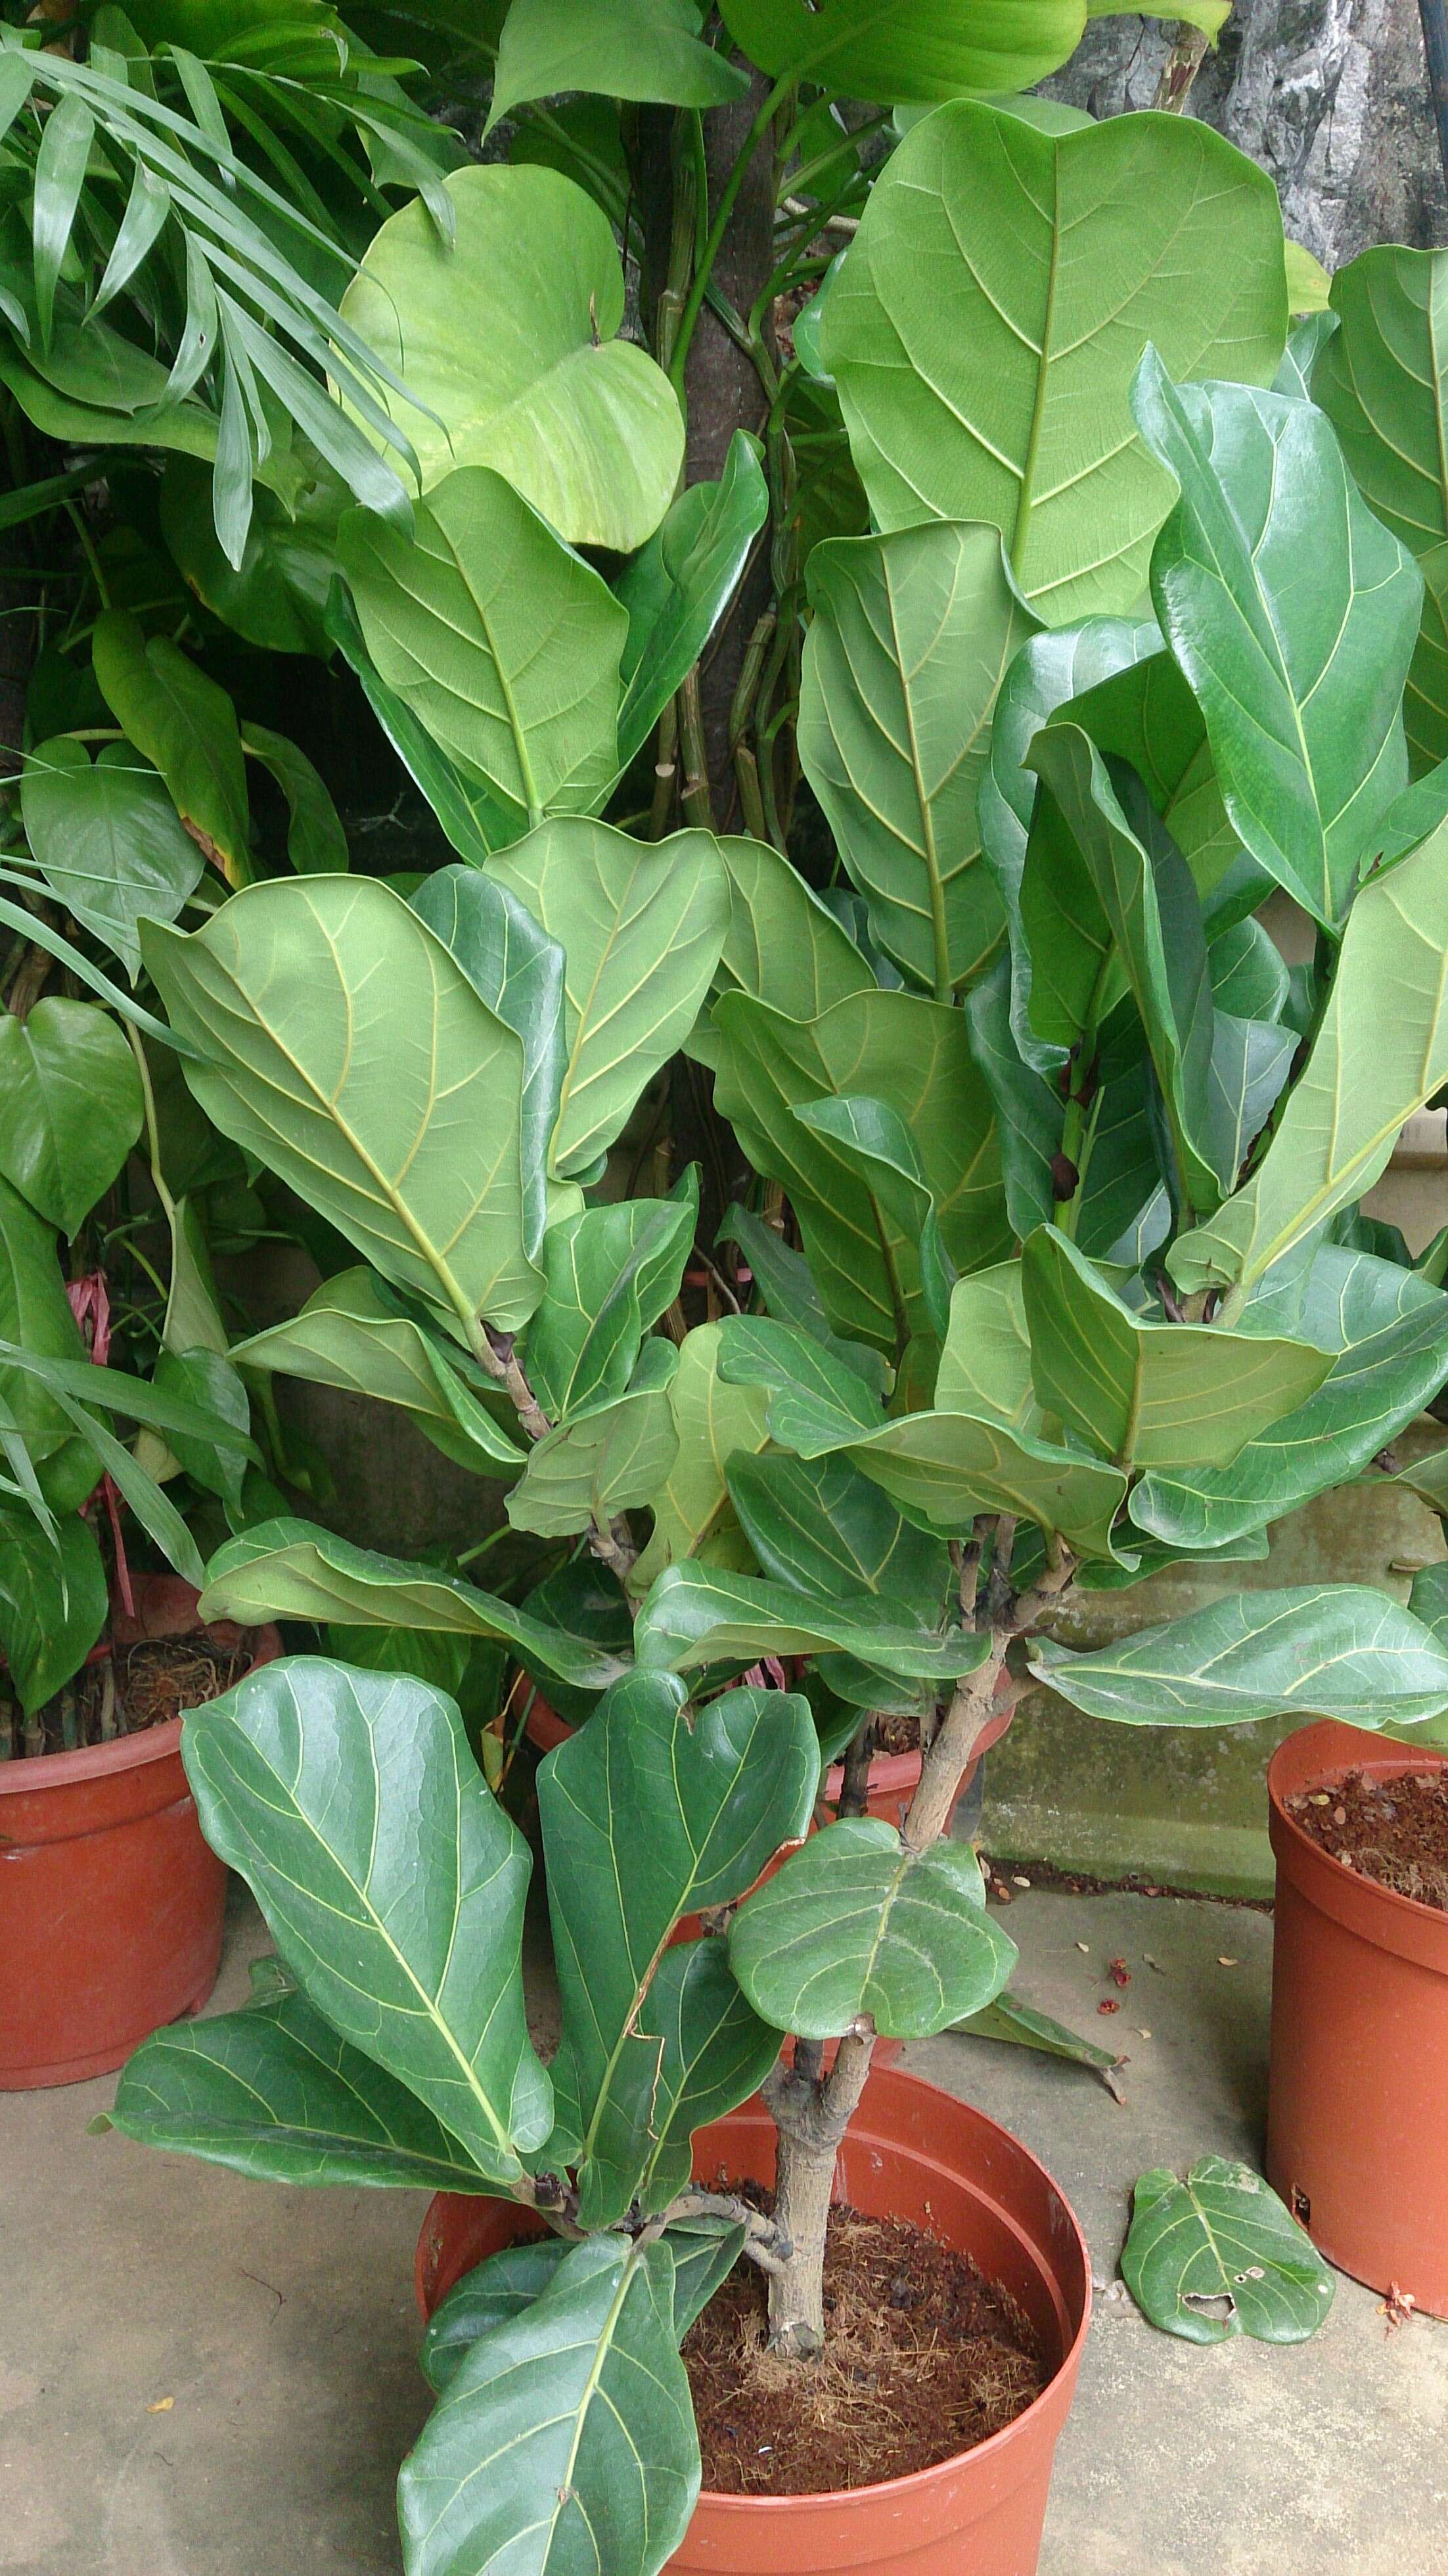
503,643
322,1784
855,1923
1383,383
470,815
1019,2025
184,723
821,1527
1319,1650
799,1370
36,1317
607,1277
704,2251
54,1600
894,1046
580,2407
649,1812
789,1294
518,970
910,639
680,584
583,424
1146,715
276,597
1220,2255
941,1468
641,926
316,841
108,840
1425,701
286,1569
1151,1394
985,325
273,2092
1390,1333
356,1059
696,1616
1300,681
70,1107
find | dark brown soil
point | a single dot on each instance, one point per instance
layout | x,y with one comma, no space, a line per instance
923,2359
1392,1831
132,1688
897,1733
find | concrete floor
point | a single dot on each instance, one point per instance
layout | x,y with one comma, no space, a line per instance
201,2376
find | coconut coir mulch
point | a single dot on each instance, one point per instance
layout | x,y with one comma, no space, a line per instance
923,2358
1392,1831
139,1686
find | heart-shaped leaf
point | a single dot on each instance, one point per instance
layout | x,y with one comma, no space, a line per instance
984,328
274,2093
909,642
581,423
700,1801
638,49
1220,2255
1323,1650
906,49
107,839
856,1923
70,1107
1300,682
320,1783
186,724
351,1054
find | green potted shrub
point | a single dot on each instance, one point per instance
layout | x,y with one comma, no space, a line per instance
1031,1182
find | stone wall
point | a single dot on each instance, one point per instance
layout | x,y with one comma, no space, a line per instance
1331,96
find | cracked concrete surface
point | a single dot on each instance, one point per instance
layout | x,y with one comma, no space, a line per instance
280,2324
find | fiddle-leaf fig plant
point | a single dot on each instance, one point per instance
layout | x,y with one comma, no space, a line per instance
1009,1241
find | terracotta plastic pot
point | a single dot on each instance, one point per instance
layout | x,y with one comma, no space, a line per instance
911,2152
1357,2140
110,1902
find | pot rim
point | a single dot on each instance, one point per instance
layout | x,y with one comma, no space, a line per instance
902,1770
28,1775
995,2445
1392,1757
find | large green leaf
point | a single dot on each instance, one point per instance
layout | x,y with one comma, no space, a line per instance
608,1276
350,1335
1390,1333
649,1812
277,595
274,2093
897,1047
678,587
108,840
613,1453
1381,1051
696,1615
705,2251
1425,700
719,1425
783,945
641,926
470,815
1310,1650
186,724
1147,715
70,1107
316,839
34,1315
351,1054
54,1600
910,639
908,49
820,1526
394,1883
1382,379
856,1923
1151,1394
984,328
579,2409
1220,2255
636,49
504,643
518,970
942,1468
789,1295
286,1569
1300,680
581,423
1048,670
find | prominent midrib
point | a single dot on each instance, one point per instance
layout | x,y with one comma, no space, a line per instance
1038,409
944,989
